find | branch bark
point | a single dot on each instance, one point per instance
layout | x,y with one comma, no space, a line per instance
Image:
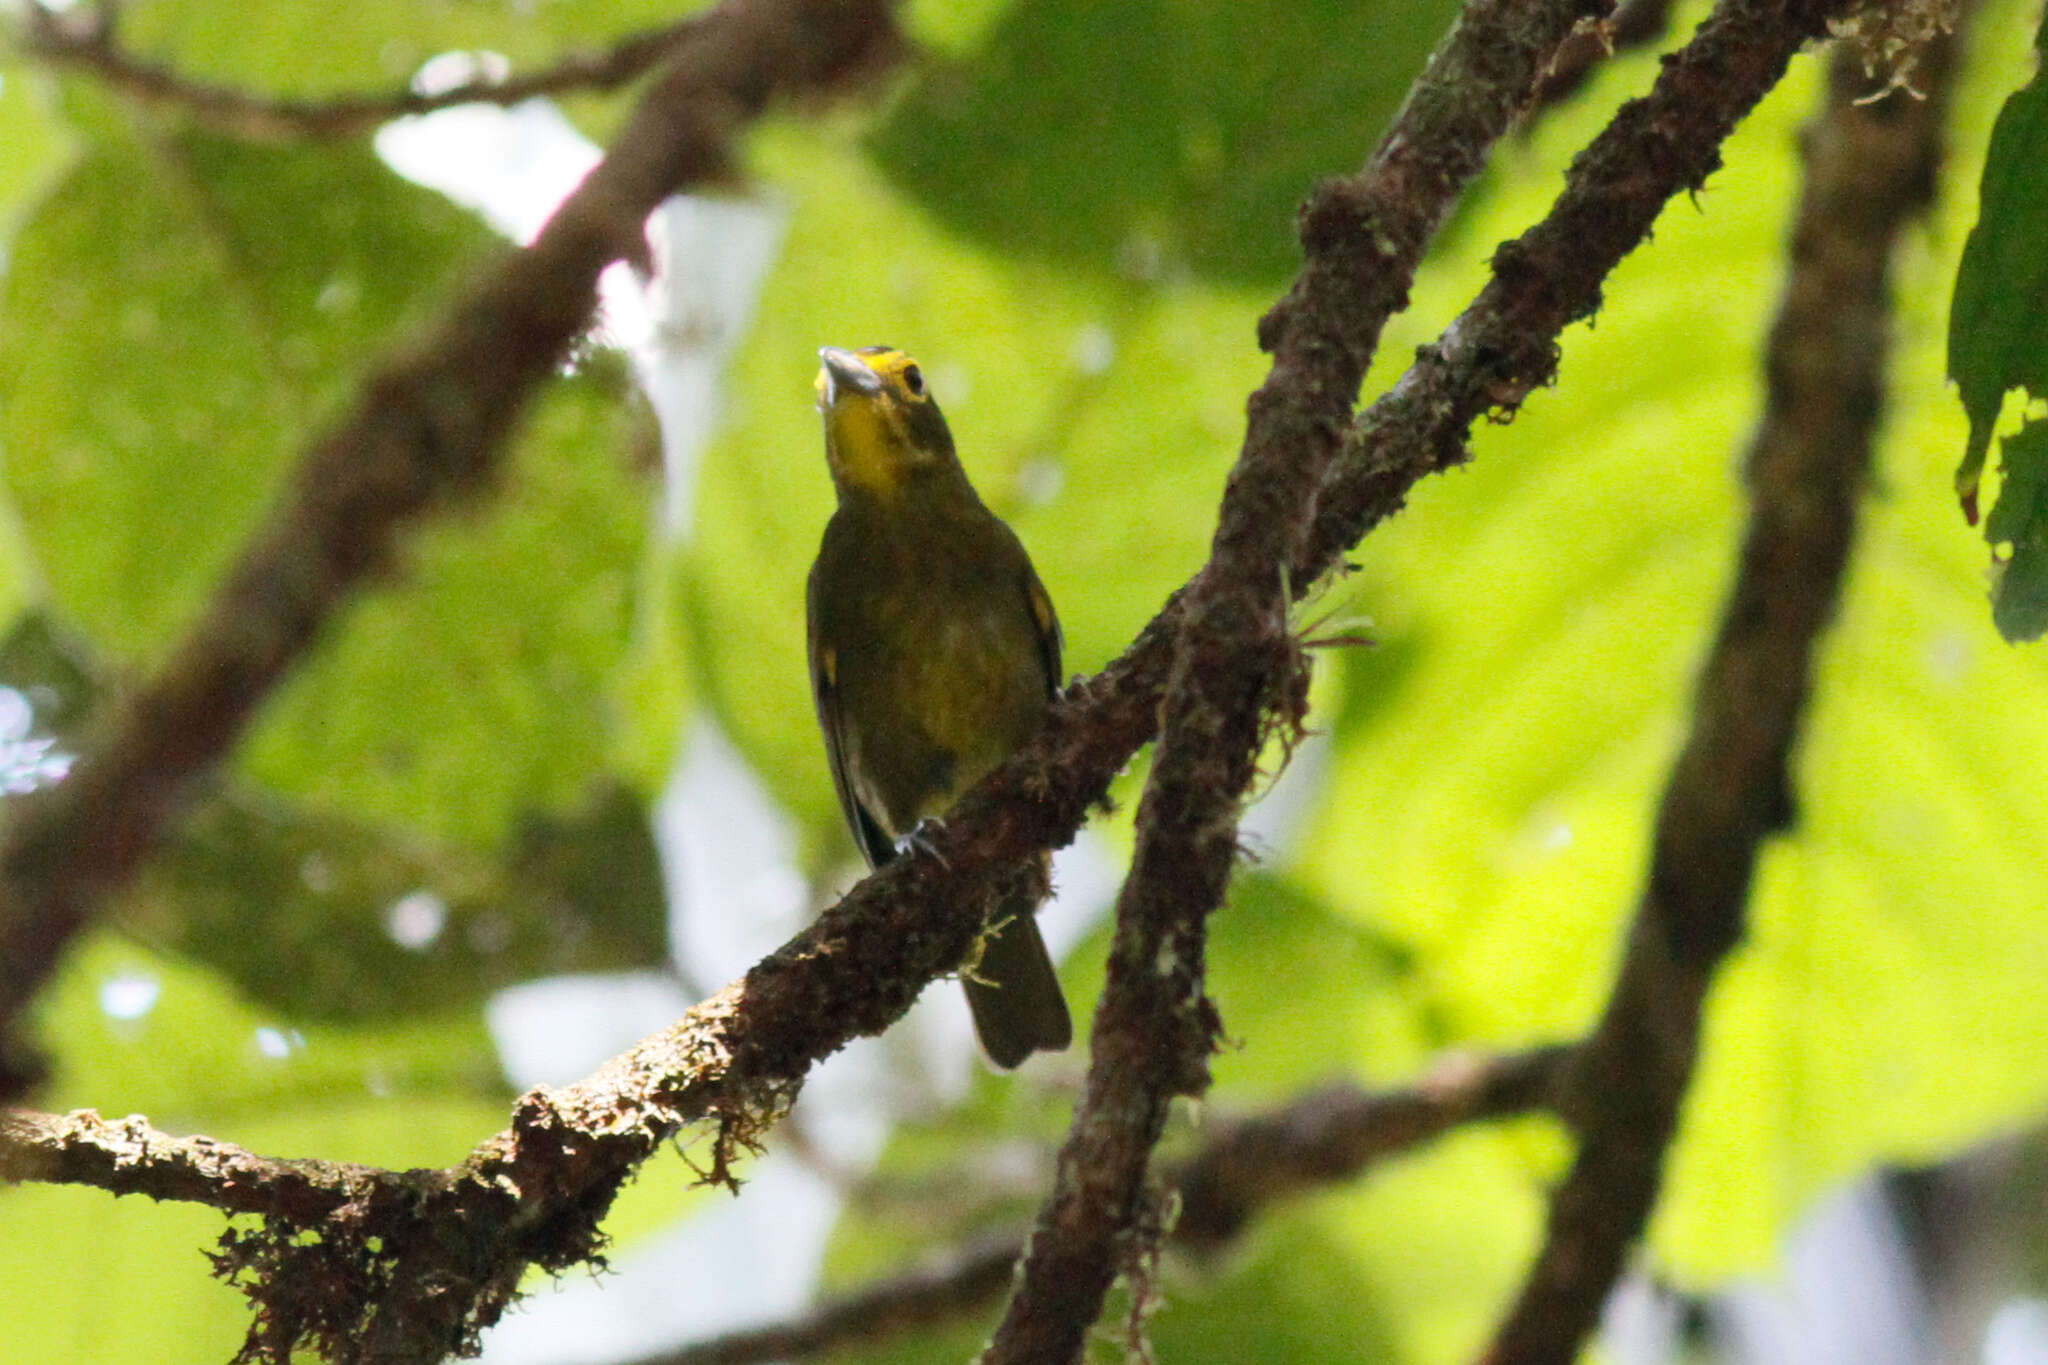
1869,170
85,40
426,432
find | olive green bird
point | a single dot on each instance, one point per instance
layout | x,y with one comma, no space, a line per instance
934,653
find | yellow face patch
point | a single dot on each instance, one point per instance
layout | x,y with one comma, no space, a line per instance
902,378
868,435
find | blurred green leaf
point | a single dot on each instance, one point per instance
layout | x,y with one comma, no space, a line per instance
1156,136
53,671
89,1279
175,312
1344,998
211,297
324,917
33,142
315,48
1998,323
148,1032
488,682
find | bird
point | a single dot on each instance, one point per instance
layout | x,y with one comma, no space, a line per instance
934,653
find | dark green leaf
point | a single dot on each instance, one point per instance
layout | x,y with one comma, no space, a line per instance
1155,136
2019,604
326,917
1998,323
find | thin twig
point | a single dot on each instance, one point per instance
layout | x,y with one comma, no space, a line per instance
1869,171
85,41
1237,670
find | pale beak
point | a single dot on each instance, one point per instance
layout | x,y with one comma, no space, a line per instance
844,370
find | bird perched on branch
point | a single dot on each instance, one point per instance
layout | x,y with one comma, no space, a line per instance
934,653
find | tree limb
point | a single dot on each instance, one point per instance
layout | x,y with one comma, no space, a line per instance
1336,1133
85,40
127,1156
1324,1137
427,431
1869,170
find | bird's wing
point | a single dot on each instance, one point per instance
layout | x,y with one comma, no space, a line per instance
1047,623
875,844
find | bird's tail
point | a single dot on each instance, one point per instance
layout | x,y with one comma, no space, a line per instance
1014,993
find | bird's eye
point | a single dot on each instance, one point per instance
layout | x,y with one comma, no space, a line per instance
913,379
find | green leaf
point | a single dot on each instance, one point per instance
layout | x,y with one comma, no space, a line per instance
176,311
486,683
1148,136
2019,602
362,47
1348,994
140,1031
1998,323
324,917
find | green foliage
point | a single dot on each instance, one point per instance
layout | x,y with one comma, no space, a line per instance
323,48
1998,339
2019,604
175,308
1152,131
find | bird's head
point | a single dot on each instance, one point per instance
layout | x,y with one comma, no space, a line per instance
883,432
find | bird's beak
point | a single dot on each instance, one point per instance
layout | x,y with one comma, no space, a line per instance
844,370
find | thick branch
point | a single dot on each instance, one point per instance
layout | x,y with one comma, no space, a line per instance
1870,169
1236,668
85,41
127,1156
1326,1137
427,430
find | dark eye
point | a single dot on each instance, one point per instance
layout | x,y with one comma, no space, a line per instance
913,379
